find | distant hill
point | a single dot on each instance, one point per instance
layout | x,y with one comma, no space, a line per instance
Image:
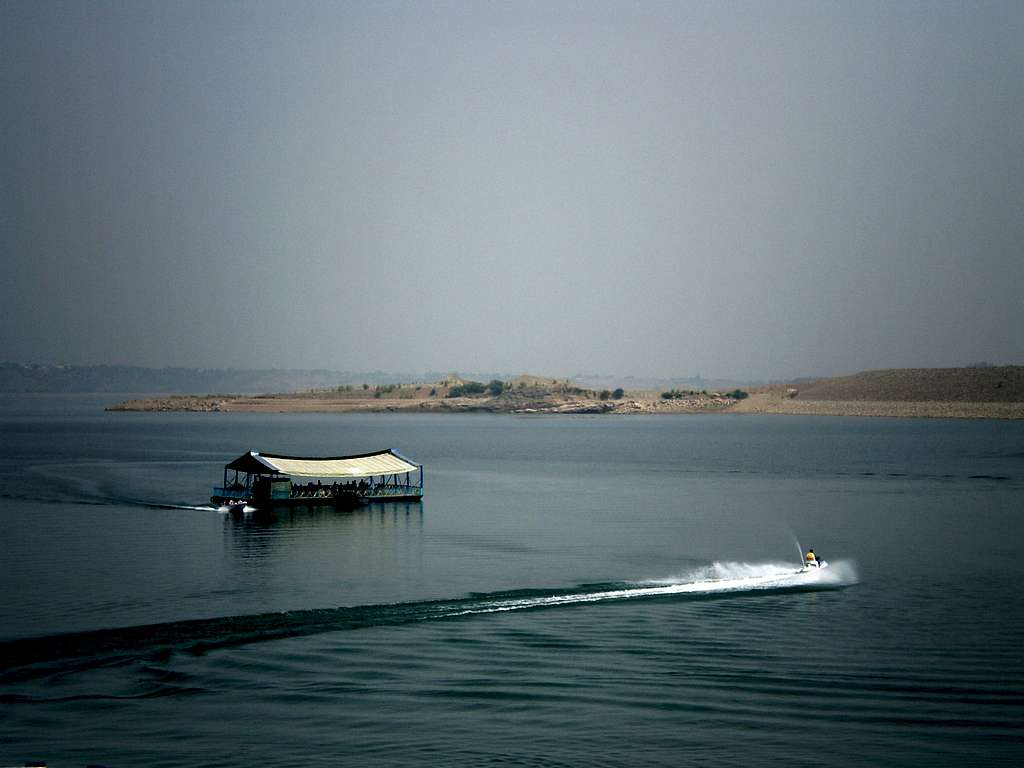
77,379
994,384
66,379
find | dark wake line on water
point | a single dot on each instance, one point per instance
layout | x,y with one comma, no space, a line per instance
71,490
93,501
106,501
156,693
29,658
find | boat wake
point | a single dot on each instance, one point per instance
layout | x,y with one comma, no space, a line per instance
731,576
717,578
26,659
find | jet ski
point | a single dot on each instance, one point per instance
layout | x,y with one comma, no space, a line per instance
812,566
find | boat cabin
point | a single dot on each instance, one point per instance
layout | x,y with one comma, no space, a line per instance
273,479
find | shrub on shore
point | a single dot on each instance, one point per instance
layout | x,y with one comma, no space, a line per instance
679,394
469,388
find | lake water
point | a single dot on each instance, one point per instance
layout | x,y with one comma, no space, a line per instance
572,591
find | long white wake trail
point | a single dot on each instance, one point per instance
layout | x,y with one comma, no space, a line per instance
716,578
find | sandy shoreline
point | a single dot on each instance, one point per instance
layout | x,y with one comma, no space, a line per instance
771,403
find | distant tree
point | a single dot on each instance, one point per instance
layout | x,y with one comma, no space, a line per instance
495,387
469,388
676,394
605,394
739,394
618,394
365,386
433,392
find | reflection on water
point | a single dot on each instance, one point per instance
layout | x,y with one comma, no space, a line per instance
321,556
326,515
305,533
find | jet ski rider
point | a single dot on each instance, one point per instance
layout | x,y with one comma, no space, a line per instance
811,559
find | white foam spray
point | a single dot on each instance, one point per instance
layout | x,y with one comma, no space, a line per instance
799,550
712,579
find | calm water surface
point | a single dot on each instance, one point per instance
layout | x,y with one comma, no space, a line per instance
572,591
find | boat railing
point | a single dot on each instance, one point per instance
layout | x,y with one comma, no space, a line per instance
378,491
393,489
326,492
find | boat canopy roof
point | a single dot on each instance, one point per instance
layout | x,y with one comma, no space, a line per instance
387,462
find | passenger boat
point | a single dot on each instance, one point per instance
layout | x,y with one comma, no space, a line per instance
264,480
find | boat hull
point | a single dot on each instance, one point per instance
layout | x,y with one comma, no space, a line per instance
813,566
342,501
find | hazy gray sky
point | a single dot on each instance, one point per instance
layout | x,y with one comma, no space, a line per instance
762,189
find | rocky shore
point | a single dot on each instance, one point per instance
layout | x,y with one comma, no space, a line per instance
650,403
